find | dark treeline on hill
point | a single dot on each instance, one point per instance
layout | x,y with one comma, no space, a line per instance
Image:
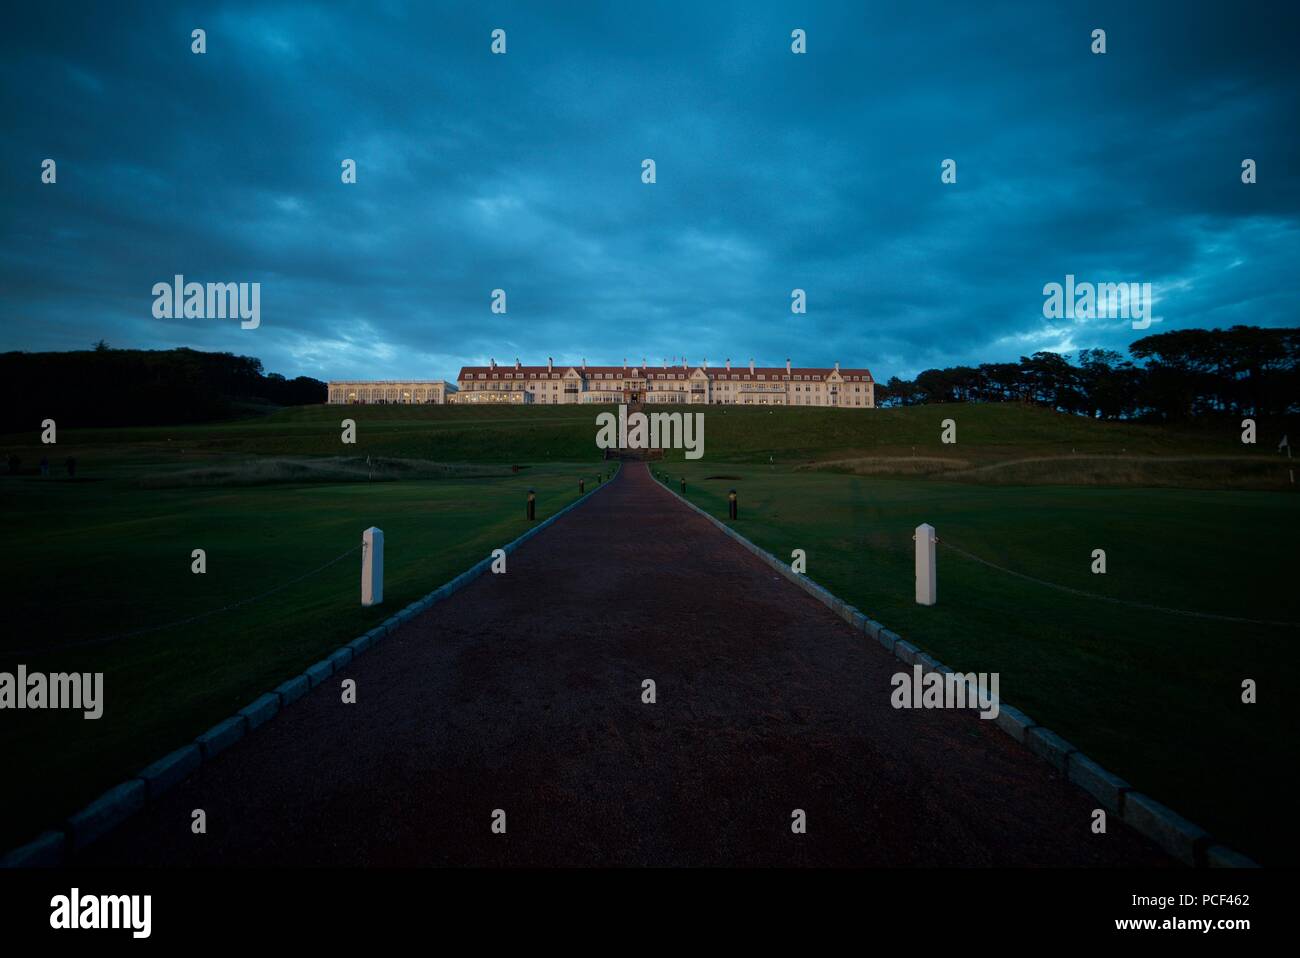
134,387
1174,376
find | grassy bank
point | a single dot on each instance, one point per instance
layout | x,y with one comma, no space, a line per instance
995,443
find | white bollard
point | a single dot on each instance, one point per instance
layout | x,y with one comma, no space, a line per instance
372,566
926,593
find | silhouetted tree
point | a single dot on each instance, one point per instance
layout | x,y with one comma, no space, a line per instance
116,387
1245,370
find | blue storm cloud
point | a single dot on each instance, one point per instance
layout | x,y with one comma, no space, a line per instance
523,172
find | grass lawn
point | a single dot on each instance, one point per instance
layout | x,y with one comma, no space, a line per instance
1155,697
107,555
988,435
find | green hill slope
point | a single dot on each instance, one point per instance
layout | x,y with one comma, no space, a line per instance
995,443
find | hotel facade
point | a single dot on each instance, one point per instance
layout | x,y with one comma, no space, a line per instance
746,385
389,391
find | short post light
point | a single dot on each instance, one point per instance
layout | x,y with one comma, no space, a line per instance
926,586
372,567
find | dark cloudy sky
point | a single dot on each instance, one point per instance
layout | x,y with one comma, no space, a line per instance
522,171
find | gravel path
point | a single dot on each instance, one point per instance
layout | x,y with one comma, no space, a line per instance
523,692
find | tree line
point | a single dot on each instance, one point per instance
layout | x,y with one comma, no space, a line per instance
1175,376
133,387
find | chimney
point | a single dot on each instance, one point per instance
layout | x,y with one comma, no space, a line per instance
787,367
492,363
549,364
516,362
728,364
751,367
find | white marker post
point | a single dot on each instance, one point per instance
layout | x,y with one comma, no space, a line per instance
372,566
926,590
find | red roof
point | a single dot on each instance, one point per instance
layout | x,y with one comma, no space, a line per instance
712,372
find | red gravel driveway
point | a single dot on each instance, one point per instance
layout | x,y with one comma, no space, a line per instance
523,692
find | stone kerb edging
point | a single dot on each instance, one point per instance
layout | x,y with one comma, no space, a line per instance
1180,838
56,846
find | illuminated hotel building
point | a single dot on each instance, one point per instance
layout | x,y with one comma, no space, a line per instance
750,385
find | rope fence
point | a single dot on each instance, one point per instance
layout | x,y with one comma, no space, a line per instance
1146,606
229,607
372,574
